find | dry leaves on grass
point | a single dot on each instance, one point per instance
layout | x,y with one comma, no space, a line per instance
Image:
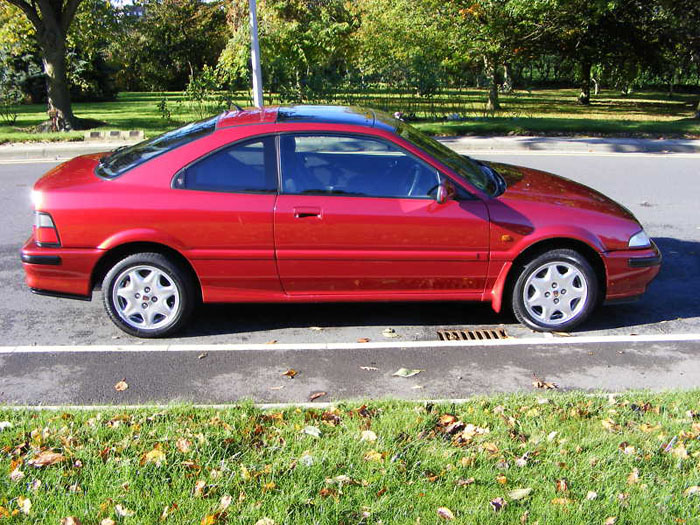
497,504
519,493
155,456
70,520
445,513
368,435
123,512
183,445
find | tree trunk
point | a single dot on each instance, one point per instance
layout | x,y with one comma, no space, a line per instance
490,71
54,59
697,110
507,79
585,96
596,87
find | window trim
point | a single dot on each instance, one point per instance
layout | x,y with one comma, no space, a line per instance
268,175
461,195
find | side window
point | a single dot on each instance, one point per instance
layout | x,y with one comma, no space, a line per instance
354,166
246,167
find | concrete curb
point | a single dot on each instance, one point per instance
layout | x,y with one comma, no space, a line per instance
66,150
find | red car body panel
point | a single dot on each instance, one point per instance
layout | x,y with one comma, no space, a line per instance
283,247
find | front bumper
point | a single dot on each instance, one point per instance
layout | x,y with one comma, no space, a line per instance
61,272
629,272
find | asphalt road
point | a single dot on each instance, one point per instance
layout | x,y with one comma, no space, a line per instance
663,191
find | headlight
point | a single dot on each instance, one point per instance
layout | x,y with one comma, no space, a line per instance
639,240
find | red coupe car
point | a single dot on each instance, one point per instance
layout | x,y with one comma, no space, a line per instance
320,203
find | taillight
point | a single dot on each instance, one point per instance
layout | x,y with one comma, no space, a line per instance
45,233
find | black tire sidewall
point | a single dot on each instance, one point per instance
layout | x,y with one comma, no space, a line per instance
179,277
564,255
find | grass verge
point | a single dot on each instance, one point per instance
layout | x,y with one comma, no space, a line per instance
562,458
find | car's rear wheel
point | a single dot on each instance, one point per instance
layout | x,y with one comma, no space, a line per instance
556,290
148,295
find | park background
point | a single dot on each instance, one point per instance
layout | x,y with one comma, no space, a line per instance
488,67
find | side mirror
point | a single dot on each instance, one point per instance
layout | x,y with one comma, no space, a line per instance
445,192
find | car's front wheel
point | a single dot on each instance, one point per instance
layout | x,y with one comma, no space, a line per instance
556,290
148,295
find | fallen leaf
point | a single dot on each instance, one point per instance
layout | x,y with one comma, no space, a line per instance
368,435
291,373
155,456
121,385
633,477
610,425
417,387
562,485
224,503
167,511
544,385
202,355
123,512
561,501
199,488
265,521
271,342
369,368
445,513
519,493
501,479
524,517
316,395
363,340
315,328
280,387
24,504
389,332
680,452
312,431
373,455
46,458
592,494
70,520
497,504
692,491
610,521
5,425
16,475
108,521
183,445
465,482
405,372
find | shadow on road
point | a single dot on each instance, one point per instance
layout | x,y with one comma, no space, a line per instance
675,294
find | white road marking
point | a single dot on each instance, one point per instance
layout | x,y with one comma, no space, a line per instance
46,349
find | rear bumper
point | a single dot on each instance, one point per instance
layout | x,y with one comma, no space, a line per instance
629,273
59,272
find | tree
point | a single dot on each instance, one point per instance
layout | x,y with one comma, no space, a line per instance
51,20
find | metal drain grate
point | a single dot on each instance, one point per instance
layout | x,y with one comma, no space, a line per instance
472,335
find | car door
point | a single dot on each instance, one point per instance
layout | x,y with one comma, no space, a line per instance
222,204
357,215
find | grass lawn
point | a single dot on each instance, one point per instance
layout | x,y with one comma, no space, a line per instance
539,112
548,458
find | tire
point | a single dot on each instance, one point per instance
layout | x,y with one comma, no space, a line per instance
163,295
556,290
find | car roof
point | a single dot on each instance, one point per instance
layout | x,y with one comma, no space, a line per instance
308,114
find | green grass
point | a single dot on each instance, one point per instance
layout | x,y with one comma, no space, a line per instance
270,467
540,112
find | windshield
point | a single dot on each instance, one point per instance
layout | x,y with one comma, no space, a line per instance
463,166
123,159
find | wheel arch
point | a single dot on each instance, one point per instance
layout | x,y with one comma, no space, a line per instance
119,252
506,282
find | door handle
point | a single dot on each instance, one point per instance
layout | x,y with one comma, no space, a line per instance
306,212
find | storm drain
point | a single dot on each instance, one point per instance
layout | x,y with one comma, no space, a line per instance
472,335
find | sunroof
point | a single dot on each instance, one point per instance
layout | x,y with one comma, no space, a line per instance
327,114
